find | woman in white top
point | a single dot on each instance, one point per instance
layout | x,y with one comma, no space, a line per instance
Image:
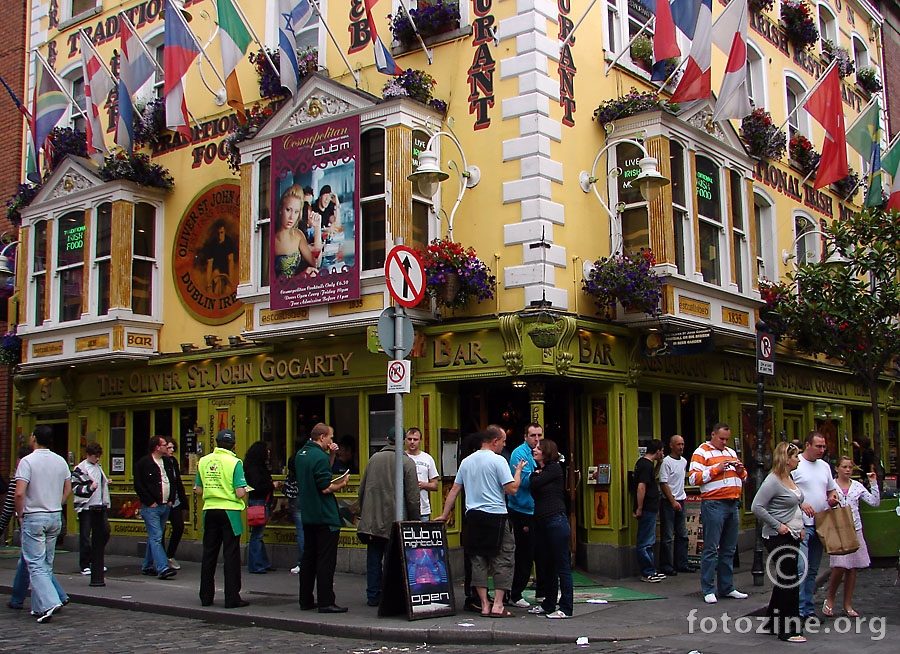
844,566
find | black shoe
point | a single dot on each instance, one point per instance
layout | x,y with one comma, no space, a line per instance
17,607
150,572
373,602
669,572
239,604
168,573
334,608
308,607
688,570
257,572
271,569
205,603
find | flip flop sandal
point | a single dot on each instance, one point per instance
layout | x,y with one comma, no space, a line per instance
827,609
851,613
504,614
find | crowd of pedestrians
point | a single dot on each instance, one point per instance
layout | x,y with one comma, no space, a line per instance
515,518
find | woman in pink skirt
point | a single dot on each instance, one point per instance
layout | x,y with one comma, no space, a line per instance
844,567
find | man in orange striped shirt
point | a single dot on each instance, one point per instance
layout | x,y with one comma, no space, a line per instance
716,469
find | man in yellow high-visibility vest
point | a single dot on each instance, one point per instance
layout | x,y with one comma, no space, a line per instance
220,478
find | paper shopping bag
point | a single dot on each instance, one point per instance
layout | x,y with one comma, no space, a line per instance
836,531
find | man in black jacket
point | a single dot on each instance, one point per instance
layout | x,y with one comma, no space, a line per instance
156,489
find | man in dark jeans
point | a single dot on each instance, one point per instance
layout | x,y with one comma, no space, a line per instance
521,515
647,510
321,519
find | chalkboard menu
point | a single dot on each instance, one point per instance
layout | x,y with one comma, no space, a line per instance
417,577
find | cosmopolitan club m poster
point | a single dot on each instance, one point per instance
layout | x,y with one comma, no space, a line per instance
315,239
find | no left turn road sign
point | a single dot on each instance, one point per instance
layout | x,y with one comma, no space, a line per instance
405,276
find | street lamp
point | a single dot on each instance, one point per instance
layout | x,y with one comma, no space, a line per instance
428,175
649,181
790,256
6,271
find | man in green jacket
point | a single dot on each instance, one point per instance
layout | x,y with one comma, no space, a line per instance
321,520
220,478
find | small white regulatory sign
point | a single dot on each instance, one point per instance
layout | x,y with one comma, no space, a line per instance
398,376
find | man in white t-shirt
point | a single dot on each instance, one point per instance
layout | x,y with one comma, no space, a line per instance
813,476
426,471
671,514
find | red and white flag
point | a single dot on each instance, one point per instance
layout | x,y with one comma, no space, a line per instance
97,85
695,81
730,35
824,104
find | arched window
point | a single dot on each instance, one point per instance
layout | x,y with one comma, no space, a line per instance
680,214
808,248
708,188
372,199
764,235
756,75
860,53
631,208
798,120
828,24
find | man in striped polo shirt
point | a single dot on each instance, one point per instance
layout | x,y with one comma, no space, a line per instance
716,469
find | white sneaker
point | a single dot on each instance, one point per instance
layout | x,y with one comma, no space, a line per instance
537,609
295,570
175,565
521,603
710,598
736,594
86,571
48,614
558,615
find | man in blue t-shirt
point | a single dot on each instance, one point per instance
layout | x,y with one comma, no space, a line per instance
487,479
521,515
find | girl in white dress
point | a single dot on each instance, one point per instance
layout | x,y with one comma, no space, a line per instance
844,566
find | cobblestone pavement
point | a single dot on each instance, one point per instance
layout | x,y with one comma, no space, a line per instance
91,629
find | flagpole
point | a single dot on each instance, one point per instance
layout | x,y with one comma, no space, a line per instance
627,48
428,53
62,85
237,6
571,34
203,52
96,54
806,95
315,6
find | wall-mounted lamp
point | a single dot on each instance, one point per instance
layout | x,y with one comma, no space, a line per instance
6,269
188,347
234,340
649,181
790,256
519,383
211,340
428,175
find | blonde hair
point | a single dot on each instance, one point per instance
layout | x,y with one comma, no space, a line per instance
781,456
295,192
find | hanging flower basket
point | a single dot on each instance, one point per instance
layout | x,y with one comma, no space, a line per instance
762,138
10,349
416,84
431,18
150,122
803,154
136,168
628,279
545,334
22,198
832,51
454,274
868,80
799,23
256,118
628,105
65,141
642,52
759,6
847,188
774,294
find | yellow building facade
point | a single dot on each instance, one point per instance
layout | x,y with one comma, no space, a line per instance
145,312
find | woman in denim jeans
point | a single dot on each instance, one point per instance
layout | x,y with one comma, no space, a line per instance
552,531
259,478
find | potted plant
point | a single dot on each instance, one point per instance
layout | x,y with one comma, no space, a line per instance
832,51
149,121
759,6
545,333
803,154
454,274
10,349
642,52
762,138
634,102
256,118
799,23
846,188
868,80
416,84
628,279
22,198
136,168
65,141
269,74
431,18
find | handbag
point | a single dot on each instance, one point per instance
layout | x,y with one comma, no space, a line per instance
836,530
290,488
256,515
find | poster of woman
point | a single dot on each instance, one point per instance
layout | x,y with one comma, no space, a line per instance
315,235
